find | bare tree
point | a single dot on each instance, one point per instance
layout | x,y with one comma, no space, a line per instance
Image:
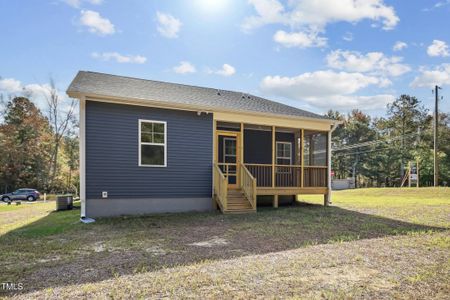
61,115
2,106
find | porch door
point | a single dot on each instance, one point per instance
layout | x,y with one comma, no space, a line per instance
228,156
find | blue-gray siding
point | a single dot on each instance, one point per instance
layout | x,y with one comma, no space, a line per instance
112,153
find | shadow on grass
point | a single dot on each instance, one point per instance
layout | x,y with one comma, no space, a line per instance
58,250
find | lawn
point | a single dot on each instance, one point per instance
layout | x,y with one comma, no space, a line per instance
371,243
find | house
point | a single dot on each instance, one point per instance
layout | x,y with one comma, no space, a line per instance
148,146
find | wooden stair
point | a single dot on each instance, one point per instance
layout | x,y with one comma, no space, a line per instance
238,203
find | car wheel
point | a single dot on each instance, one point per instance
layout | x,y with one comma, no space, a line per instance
6,199
30,198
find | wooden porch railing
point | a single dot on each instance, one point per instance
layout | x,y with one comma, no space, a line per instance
288,175
220,186
248,185
262,173
315,176
228,169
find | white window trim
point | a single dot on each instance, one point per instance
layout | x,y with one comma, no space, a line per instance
155,144
224,147
284,157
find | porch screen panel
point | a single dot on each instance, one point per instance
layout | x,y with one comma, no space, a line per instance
258,155
287,175
315,158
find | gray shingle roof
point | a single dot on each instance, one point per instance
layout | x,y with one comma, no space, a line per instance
92,83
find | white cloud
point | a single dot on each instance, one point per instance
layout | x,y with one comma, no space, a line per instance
327,89
10,85
308,19
168,25
442,3
184,67
96,23
38,92
299,39
373,62
35,90
399,46
440,75
318,13
353,101
227,70
77,3
437,5
73,3
268,12
107,56
319,83
438,48
348,36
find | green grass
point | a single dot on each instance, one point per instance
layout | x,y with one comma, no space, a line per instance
286,250
419,206
386,197
10,207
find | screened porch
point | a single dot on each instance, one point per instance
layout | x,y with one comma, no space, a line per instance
278,158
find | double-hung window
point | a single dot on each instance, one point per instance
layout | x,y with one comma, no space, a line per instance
284,156
284,153
152,143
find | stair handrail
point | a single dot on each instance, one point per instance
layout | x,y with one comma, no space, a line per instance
248,185
220,187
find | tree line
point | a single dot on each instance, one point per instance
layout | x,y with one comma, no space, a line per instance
375,152
39,148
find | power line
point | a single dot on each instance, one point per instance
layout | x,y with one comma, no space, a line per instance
369,143
359,152
366,151
374,142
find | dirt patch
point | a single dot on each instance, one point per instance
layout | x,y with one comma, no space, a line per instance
213,242
378,269
156,251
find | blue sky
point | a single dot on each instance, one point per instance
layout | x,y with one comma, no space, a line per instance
316,55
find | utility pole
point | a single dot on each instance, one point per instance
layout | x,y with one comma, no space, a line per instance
435,136
409,174
418,178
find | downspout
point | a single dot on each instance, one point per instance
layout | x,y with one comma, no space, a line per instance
82,133
327,200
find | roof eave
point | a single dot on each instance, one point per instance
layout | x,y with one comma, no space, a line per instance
189,107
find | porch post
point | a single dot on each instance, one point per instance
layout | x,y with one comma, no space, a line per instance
241,153
273,156
242,144
302,157
327,197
